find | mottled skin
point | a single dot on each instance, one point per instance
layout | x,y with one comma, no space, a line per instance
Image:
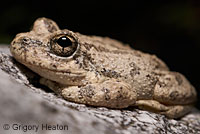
100,71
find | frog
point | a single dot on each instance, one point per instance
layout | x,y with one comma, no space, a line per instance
101,72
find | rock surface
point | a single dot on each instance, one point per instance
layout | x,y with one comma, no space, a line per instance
26,106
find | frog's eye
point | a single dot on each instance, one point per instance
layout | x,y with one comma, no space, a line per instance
63,46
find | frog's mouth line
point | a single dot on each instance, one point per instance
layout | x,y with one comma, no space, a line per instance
62,77
39,69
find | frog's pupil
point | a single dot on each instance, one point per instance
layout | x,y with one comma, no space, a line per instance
64,42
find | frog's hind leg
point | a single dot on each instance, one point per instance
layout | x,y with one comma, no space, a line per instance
173,88
172,96
175,111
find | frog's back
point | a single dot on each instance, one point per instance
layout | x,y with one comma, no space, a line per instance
115,56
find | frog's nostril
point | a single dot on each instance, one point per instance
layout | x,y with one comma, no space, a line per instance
24,40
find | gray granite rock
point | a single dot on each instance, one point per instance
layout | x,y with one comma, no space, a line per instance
28,107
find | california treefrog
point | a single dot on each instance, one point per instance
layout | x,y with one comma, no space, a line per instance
100,71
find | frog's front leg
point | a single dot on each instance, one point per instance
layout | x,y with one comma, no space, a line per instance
110,93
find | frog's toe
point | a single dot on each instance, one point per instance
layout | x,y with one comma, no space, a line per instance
175,111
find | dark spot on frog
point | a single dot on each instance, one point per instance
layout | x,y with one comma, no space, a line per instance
13,48
87,61
110,73
173,95
36,42
157,66
107,97
77,61
69,94
132,64
178,79
25,39
28,41
151,78
24,49
87,91
135,69
106,91
134,72
88,46
35,52
169,79
125,77
53,65
119,95
40,64
161,84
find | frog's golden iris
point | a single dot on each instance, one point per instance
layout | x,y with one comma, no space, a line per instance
63,45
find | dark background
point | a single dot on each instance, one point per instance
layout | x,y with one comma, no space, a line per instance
171,30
